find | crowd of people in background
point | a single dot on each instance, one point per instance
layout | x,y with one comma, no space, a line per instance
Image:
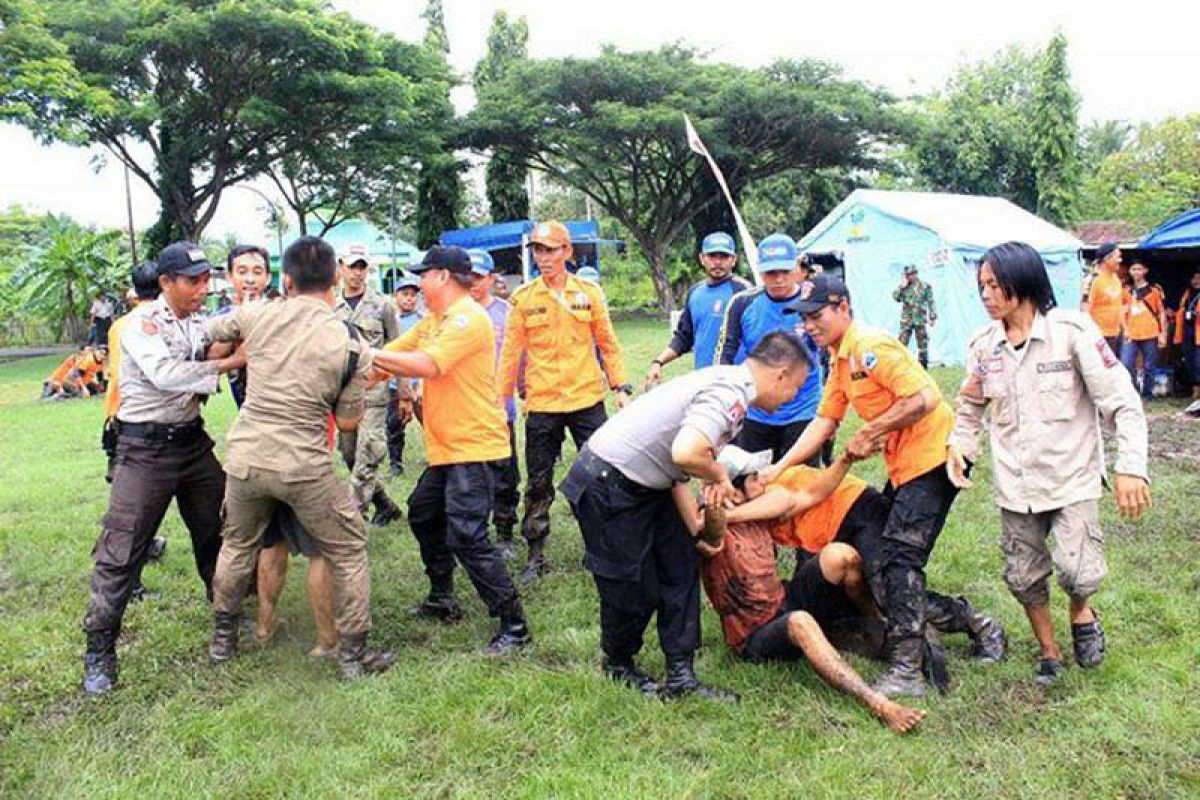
695,482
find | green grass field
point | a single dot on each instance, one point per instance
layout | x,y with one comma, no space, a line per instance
448,722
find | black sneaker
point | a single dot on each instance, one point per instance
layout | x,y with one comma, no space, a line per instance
628,673
1048,671
510,638
1089,643
440,607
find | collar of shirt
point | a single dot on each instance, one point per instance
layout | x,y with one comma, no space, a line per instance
368,294
849,341
747,379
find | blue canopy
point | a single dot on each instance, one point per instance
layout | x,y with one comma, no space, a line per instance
511,234
1182,231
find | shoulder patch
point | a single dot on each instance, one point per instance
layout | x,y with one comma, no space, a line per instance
148,327
461,321
870,360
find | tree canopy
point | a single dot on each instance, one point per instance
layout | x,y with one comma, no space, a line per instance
612,127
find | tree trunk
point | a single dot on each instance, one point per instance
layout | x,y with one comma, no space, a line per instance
656,257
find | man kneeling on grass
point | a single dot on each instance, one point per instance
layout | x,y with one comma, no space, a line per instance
765,620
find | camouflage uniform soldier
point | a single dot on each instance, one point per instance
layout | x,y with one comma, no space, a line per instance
378,322
916,311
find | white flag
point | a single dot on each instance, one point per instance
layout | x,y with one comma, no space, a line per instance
697,147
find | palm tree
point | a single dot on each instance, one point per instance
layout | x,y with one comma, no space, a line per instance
58,282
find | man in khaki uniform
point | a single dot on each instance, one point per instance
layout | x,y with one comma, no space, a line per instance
303,363
1048,377
378,322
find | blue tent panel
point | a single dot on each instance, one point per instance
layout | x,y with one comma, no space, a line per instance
1182,231
509,234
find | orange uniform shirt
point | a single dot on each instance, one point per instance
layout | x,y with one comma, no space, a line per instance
1182,326
559,334
62,370
463,420
1141,313
112,395
742,583
89,367
818,526
1105,300
871,370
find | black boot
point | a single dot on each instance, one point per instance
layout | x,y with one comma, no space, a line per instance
537,565
440,604
100,661
157,549
626,671
224,638
904,674
355,659
386,511
513,633
681,681
989,642
1089,643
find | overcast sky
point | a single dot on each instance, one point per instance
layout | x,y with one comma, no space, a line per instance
1136,61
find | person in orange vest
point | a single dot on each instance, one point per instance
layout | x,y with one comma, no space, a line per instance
1143,327
1105,298
558,320
1187,331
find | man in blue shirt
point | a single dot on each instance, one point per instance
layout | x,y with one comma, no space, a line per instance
753,314
704,309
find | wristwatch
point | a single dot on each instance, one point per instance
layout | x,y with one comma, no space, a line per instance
658,361
624,388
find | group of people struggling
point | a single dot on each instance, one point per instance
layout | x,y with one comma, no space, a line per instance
749,425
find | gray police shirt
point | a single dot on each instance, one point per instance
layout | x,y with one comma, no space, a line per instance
637,441
163,374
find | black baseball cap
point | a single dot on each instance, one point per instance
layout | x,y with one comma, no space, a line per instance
454,259
183,258
823,290
1105,250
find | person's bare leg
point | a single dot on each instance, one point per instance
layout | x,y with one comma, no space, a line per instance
1043,631
319,587
1081,612
805,633
272,569
842,565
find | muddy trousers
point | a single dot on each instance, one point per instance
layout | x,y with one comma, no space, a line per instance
147,473
914,522
544,434
323,505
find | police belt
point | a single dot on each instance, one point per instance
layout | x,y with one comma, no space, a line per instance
600,470
161,432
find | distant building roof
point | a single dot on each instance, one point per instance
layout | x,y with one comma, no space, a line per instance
1103,231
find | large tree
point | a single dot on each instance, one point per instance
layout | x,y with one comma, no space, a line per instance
612,127
439,200
507,43
193,95
974,135
1055,132
1150,180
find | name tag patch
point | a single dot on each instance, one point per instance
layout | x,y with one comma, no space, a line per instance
1053,366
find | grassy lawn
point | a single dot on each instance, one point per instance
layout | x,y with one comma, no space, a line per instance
448,722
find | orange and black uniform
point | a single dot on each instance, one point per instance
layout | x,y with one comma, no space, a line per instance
558,333
466,443
871,371
1105,305
1187,332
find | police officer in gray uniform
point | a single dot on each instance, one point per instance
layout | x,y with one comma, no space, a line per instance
637,548
162,450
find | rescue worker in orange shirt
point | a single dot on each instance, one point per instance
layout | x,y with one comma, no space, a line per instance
453,350
902,407
557,323
1187,331
1105,298
1143,327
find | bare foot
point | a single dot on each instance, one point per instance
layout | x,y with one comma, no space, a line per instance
322,651
267,627
900,719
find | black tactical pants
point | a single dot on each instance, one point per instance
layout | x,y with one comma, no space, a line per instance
544,434
641,557
148,471
448,511
757,436
506,482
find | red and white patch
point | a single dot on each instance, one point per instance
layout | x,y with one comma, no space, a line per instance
736,412
149,328
1106,353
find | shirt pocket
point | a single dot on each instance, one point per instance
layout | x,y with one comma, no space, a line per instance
999,399
538,329
371,329
1057,395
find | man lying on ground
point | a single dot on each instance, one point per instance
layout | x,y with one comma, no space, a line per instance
765,620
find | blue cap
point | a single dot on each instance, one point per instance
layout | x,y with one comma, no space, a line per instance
718,243
406,281
588,274
481,262
777,252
